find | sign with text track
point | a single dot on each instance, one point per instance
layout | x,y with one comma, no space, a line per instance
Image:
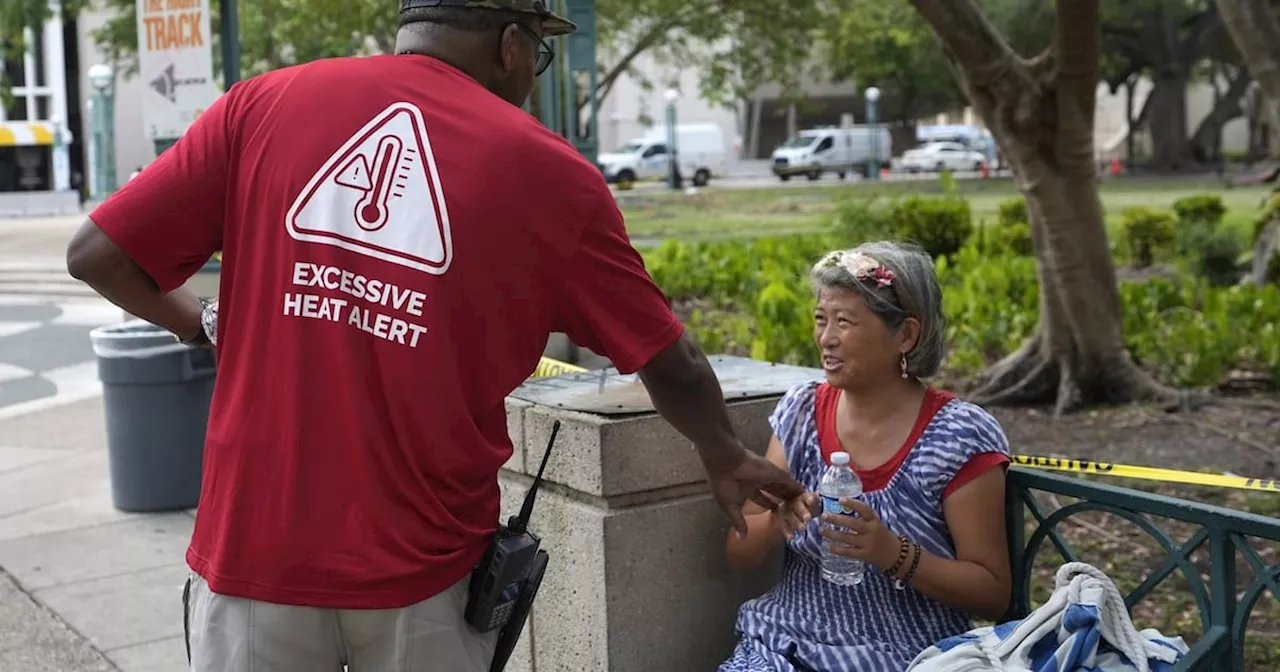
175,62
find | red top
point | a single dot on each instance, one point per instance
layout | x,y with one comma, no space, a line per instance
827,399
399,242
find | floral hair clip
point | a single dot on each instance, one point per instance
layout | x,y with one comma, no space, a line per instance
862,267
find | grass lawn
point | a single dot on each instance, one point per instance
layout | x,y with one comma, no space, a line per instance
719,212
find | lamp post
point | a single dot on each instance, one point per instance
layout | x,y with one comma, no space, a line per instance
873,162
102,78
673,172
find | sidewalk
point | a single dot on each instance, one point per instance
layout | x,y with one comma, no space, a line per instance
114,579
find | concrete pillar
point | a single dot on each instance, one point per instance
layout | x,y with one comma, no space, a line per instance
637,580
791,121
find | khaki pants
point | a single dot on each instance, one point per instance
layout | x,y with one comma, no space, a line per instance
231,634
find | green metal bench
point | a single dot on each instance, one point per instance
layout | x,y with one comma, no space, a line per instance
1223,532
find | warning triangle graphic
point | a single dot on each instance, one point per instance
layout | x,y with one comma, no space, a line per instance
379,195
355,174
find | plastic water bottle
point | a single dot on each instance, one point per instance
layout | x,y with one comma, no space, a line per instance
839,481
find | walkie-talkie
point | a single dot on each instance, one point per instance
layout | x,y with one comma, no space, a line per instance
504,583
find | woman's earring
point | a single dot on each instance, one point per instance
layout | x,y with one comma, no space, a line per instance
904,367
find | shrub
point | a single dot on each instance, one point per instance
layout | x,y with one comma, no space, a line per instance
1198,220
1149,232
939,225
1011,238
857,220
1183,329
1205,208
1214,254
1012,234
1014,211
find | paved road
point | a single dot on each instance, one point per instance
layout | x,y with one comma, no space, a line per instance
45,353
762,179
45,317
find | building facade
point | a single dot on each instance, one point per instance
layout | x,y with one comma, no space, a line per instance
40,171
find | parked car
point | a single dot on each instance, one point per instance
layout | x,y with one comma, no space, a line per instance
940,156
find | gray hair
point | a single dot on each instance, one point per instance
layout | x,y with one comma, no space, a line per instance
914,293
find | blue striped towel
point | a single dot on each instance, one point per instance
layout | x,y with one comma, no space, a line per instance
1084,627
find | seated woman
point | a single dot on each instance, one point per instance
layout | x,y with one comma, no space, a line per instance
930,527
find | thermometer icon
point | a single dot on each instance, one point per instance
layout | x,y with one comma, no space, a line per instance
372,210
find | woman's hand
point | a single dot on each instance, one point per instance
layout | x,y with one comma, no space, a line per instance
867,539
793,515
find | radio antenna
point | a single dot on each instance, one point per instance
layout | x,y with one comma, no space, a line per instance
519,523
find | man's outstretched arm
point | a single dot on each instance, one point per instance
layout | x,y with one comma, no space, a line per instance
686,392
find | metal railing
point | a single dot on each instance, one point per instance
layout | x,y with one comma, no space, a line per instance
1223,532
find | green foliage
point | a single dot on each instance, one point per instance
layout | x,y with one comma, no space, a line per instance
941,224
772,42
15,17
1149,232
1206,208
273,33
1013,211
1012,233
856,220
730,270
1186,330
886,43
990,304
1213,254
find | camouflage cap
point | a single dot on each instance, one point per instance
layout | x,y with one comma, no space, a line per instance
552,24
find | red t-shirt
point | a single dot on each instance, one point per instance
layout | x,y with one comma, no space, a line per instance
398,244
827,398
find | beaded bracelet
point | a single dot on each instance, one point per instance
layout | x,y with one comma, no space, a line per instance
903,547
915,562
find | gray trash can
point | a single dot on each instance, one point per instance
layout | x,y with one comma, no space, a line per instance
156,393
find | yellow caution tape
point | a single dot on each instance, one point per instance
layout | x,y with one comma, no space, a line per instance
1146,473
548,367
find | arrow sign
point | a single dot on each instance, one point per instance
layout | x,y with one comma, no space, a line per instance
166,84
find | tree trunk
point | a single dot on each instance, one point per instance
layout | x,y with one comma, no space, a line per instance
1256,32
1041,112
1207,139
1167,122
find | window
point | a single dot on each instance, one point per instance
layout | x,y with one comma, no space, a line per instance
655,150
826,144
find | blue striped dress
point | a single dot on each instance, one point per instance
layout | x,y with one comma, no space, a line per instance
806,624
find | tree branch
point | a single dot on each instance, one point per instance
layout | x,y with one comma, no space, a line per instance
1197,34
646,41
1225,108
969,39
1256,32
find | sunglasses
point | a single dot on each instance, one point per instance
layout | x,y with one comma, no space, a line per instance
545,53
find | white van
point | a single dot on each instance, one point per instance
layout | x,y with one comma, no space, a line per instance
816,151
700,148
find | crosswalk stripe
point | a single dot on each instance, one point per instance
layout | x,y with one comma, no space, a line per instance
46,279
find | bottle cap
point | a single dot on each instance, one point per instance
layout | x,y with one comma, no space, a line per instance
840,459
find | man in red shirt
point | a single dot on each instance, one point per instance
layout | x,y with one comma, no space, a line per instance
399,239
